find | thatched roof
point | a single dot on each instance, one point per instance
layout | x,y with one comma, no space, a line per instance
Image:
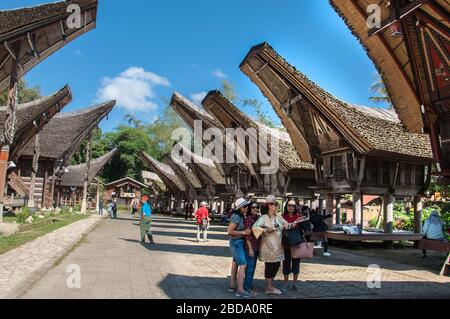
62,136
365,132
391,55
76,174
42,27
231,117
191,112
153,180
208,166
33,116
126,181
182,170
165,172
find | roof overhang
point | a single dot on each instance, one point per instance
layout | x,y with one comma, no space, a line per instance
37,33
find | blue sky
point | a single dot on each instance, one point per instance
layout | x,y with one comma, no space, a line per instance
146,49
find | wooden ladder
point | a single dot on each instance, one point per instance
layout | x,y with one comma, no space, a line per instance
446,268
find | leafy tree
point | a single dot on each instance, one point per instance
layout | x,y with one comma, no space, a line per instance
229,91
261,115
378,87
25,93
132,120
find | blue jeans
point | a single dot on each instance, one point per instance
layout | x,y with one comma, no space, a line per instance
238,251
250,271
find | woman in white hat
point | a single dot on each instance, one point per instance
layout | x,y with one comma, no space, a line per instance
270,227
237,234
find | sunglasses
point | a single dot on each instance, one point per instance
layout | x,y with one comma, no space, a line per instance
255,207
273,204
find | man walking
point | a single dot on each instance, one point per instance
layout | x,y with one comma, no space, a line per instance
202,218
146,220
114,209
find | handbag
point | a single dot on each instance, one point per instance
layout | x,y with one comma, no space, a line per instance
292,237
303,251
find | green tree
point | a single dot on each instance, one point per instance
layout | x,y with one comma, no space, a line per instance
378,87
229,91
130,142
25,93
132,120
261,114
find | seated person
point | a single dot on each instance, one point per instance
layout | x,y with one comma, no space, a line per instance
433,229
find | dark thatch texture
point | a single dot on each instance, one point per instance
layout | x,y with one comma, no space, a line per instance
33,116
207,165
390,53
367,133
218,105
188,175
66,131
165,172
35,33
75,176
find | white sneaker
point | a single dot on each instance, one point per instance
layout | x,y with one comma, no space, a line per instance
327,254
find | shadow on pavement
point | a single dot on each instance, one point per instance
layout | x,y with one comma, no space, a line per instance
193,287
217,251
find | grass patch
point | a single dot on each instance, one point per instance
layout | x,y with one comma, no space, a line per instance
19,239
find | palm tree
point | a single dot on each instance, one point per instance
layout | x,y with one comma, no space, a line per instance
380,89
132,120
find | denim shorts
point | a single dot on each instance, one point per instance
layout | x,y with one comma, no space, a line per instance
237,247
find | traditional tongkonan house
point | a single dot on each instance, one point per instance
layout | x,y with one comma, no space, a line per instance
59,140
195,190
292,175
214,184
154,182
78,177
356,150
176,187
125,191
27,37
240,173
410,47
157,188
31,118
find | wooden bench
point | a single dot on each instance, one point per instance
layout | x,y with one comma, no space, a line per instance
441,246
341,236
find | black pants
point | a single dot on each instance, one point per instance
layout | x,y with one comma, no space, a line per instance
290,266
271,270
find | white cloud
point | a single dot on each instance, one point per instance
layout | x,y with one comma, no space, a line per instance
197,98
133,89
220,74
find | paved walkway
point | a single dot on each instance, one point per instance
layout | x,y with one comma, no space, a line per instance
114,264
21,267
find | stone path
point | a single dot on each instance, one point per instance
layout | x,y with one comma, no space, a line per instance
21,267
114,264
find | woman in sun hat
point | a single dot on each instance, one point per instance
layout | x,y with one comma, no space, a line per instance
270,227
237,233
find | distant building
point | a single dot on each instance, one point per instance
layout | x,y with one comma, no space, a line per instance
125,190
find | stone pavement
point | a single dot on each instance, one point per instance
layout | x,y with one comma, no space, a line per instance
21,267
114,264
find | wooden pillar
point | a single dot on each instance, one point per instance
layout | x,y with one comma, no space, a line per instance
418,206
9,129
97,204
321,206
86,176
388,213
52,192
34,170
329,210
338,209
4,156
44,194
357,210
